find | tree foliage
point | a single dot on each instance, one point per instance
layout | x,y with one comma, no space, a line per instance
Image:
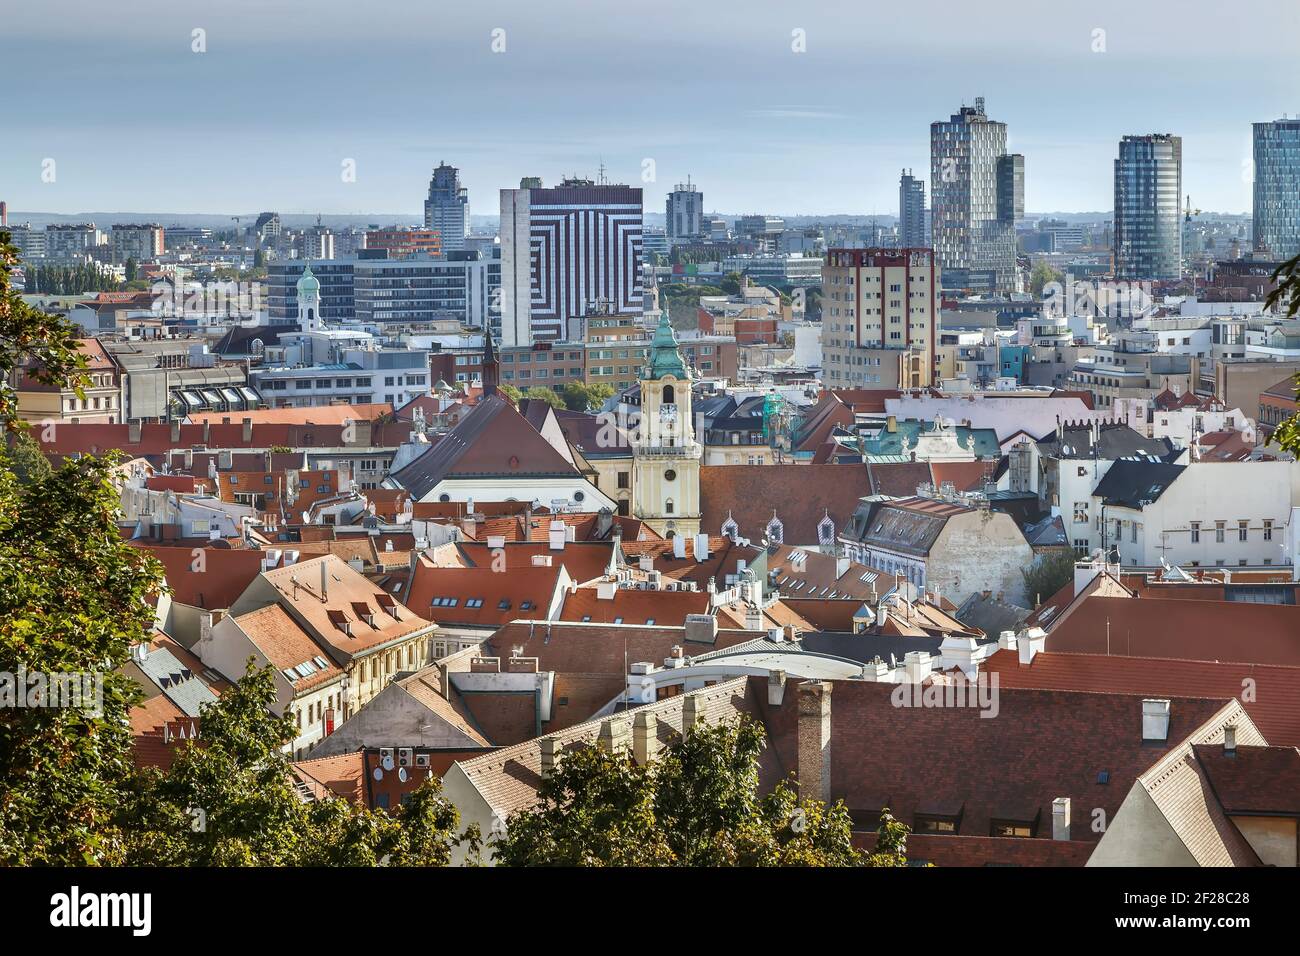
581,397
1051,571
697,805
1286,298
229,799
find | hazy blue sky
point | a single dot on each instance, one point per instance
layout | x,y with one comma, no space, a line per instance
289,89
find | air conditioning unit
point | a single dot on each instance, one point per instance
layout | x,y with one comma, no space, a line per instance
405,757
386,757
422,760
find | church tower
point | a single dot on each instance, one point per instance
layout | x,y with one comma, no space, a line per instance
309,319
666,457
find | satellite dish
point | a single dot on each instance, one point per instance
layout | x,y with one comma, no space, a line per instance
401,774
379,774
388,761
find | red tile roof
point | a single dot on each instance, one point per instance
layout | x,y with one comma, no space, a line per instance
1273,701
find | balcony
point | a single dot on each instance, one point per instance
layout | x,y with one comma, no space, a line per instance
687,450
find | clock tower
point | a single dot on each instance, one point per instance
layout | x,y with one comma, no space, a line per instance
666,457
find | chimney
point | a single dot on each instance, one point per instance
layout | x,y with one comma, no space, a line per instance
1084,572
891,424
916,666
814,754
775,688
557,534
614,736
550,748
1030,644
700,628
692,714
753,617
207,432
247,430
647,563
324,580
605,590
1061,818
645,739
1007,641
679,546
176,433
701,547
1230,740
133,430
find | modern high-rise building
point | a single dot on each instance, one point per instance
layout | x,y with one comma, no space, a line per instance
911,211
142,242
567,253
684,212
1148,220
976,196
446,211
1277,188
880,318
71,241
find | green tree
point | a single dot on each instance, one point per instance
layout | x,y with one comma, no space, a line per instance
63,769
731,283
581,397
1286,298
1051,571
229,799
132,269
541,393
697,805
510,392
1041,275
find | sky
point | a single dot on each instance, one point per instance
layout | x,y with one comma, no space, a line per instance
777,107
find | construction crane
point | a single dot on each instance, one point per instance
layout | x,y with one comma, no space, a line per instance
1190,212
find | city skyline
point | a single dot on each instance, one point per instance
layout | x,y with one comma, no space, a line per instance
780,120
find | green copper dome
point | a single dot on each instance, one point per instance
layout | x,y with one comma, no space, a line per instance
664,357
308,284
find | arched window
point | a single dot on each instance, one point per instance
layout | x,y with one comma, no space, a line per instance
669,395
668,506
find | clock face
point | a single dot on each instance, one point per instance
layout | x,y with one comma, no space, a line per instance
668,413
669,475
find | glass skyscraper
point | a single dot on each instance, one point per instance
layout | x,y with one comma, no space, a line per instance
1148,223
1277,187
976,193
911,211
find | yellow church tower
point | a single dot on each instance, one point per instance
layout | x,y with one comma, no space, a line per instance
666,456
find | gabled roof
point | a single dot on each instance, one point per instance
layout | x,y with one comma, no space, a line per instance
906,525
286,645
1114,441
1274,706
801,495
951,761
1254,781
631,606
482,596
493,440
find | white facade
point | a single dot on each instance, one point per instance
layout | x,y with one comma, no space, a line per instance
1203,519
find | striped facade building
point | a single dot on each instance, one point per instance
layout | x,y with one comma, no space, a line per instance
568,253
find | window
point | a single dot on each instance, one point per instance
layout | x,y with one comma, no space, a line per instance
526,605
934,823
1218,531
1243,530
1196,532
1011,828
1268,529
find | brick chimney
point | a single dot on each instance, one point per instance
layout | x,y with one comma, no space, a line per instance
814,740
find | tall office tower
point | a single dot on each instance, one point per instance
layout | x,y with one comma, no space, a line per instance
976,195
567,253
684,212
1277,187
1148,220
880,311
911,211
446,211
